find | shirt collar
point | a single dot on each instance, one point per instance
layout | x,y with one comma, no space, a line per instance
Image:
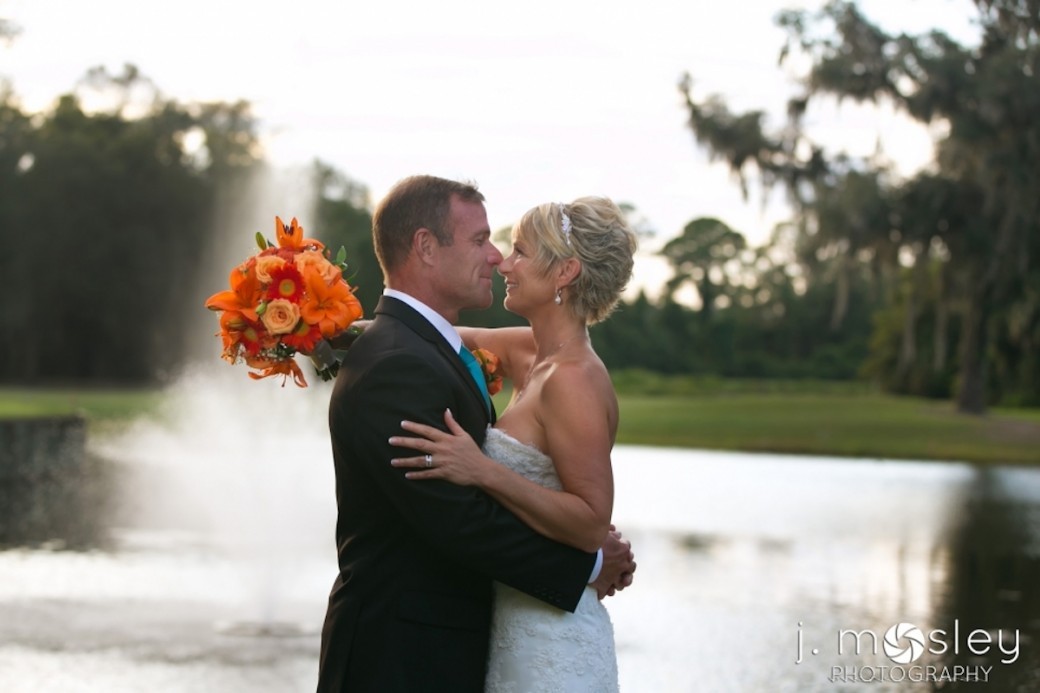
447,330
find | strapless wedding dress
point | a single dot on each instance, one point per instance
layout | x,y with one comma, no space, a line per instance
537,648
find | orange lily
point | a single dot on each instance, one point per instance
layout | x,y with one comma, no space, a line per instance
243,296
231,326
291,235
330,306
285,369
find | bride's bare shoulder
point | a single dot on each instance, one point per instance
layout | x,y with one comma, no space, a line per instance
578,379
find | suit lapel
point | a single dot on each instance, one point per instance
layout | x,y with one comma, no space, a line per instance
421,326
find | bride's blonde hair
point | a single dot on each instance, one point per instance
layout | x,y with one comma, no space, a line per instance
594,231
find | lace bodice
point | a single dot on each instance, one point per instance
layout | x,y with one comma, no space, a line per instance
537,648
526,460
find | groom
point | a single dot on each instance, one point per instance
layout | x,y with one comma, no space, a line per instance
410,609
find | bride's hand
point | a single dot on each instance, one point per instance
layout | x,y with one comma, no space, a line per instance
451,455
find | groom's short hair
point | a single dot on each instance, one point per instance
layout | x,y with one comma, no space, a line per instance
414,203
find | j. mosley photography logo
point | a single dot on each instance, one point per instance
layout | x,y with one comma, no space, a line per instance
904,644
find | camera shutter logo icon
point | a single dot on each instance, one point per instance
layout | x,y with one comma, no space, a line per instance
904,643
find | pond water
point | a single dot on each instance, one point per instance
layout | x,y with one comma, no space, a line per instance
756,572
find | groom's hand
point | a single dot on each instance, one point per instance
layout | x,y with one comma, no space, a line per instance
618,565
345,339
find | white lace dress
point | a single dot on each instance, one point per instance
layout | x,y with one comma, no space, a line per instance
537,648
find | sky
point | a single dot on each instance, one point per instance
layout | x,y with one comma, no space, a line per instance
534,101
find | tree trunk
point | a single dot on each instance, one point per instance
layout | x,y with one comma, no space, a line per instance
707,291
841,294
942,326
971,395
908,345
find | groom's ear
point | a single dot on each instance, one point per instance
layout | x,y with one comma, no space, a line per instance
424,245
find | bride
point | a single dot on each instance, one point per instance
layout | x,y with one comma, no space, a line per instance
548,458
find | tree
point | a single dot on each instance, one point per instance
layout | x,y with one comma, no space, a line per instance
344,219
702,255
112,215
17,139
988,97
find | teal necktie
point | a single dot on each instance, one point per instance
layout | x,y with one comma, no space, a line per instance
478,375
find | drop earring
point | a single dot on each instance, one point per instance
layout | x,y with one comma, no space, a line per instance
559,297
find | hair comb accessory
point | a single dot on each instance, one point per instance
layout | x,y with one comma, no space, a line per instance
565,224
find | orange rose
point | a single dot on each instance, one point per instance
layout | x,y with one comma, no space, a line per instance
265,264
314,261
281,316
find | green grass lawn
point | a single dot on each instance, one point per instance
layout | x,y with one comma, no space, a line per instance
876,426
813,418
845,419
101,407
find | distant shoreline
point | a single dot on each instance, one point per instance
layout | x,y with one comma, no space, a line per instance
838,420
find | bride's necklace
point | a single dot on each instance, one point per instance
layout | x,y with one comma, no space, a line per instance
537,362
562,344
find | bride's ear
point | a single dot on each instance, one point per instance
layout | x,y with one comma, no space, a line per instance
568,271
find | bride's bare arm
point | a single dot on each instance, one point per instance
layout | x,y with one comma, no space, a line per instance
580,429
514,346
578,412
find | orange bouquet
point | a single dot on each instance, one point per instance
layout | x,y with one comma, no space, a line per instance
282,301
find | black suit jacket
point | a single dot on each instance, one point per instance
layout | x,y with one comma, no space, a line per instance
410,608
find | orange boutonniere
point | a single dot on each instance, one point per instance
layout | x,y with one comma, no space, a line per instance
489,364
282,301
